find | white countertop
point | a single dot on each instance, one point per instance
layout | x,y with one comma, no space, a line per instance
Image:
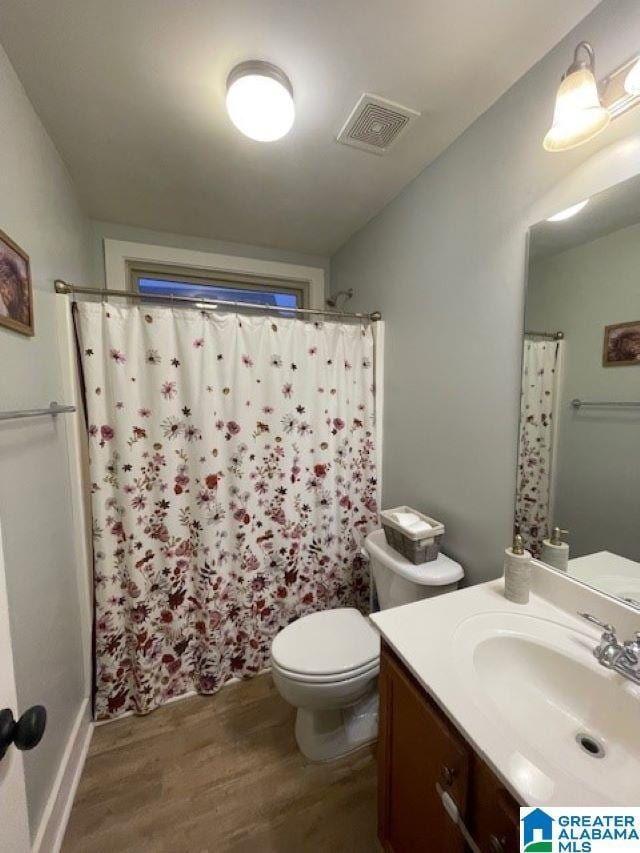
608,572
427,636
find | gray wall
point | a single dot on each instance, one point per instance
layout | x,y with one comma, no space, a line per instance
39,211
444,261
113,231
597,461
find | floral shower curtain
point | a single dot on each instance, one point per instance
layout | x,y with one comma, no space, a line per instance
232,459
535,451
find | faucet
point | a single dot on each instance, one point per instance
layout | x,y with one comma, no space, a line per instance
624,658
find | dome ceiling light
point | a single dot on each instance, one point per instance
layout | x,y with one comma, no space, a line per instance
260,100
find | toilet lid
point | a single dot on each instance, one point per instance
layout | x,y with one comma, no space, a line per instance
326,643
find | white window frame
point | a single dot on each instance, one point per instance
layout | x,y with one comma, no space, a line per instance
119,254
225,280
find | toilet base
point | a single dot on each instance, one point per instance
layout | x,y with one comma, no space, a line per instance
328,735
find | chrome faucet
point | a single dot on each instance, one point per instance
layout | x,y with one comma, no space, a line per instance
624,658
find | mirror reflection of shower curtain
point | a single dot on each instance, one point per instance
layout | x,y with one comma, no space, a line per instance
540,394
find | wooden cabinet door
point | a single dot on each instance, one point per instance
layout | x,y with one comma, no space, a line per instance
495,815
418,749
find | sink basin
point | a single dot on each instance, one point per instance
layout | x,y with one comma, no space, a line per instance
576,724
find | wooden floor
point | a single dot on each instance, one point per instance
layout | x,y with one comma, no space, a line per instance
217,774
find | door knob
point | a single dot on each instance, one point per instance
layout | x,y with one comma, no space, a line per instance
26,732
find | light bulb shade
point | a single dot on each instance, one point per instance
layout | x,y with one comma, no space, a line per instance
632,80
579,115
260,101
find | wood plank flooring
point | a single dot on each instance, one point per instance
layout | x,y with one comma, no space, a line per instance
219,774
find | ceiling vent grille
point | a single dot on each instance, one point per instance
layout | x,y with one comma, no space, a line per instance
375,124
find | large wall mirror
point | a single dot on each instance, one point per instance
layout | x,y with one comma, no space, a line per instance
579,444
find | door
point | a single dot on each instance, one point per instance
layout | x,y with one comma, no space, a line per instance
14,825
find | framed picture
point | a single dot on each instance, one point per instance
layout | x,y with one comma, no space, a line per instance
16,298
621,344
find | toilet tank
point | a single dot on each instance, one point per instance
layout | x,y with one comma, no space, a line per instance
398,581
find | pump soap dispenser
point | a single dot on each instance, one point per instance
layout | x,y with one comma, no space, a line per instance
554,551
517,572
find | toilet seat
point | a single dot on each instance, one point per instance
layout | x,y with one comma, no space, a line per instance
328,646
370,669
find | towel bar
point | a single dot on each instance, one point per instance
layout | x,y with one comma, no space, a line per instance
53,409
618,404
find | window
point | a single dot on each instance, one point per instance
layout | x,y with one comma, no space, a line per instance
159,280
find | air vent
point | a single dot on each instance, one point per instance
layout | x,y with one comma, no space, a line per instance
375,124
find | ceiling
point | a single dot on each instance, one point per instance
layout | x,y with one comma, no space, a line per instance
132,94
615,208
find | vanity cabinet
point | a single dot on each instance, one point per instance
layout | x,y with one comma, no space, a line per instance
419,753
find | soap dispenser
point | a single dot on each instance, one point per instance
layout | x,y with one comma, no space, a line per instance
554,551
517,572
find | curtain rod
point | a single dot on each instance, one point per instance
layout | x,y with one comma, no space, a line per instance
62,286
552,336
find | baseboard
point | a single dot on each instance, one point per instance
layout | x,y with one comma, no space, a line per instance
56,814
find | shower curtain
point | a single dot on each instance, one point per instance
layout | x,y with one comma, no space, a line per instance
231,458
535,449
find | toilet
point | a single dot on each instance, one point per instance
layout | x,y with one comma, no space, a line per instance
326,664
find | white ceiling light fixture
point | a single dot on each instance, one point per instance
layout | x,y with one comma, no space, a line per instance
568,212
260,100
579,114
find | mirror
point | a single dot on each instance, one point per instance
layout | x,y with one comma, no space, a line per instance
579,442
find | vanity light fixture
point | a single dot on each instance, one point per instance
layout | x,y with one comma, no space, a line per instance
632,80
579,114
260,100
568,212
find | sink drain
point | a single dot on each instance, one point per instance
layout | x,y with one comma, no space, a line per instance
590,745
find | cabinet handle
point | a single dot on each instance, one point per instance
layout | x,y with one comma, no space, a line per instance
451,808
448,775
496,844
